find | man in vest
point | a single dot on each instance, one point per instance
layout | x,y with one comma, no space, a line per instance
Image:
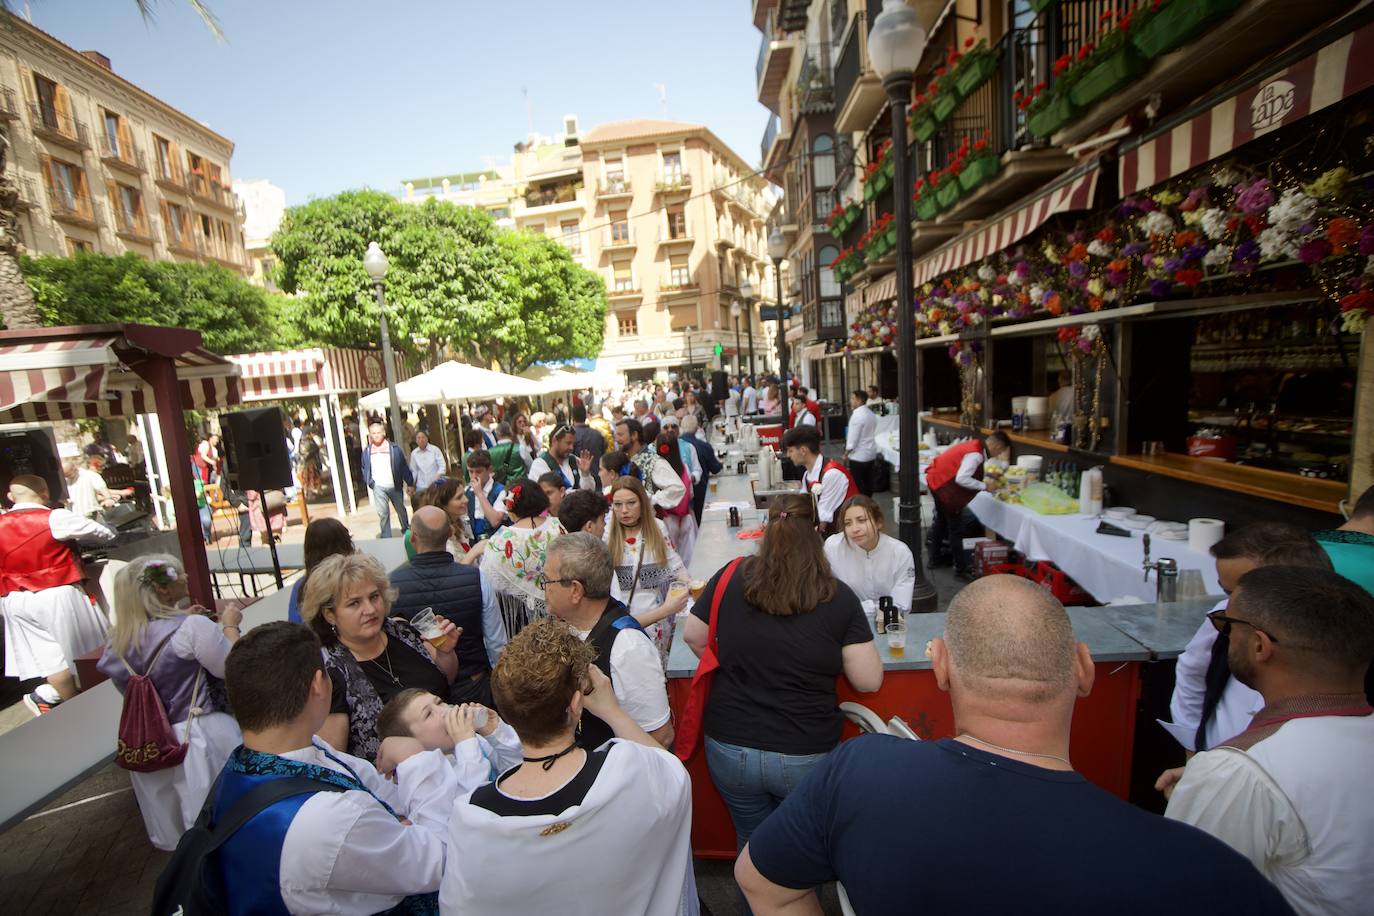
954,479
459,593
577,589
557,459
664,487
49,620
487,513
828,482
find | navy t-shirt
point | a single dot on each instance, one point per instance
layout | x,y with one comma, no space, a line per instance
943,827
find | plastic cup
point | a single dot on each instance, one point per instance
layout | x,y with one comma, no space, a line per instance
429,628
896,638
677,589
696,587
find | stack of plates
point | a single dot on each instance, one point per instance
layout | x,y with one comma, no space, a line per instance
1138,522
1170,531
1119,512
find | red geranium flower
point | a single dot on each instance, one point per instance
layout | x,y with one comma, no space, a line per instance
1189,278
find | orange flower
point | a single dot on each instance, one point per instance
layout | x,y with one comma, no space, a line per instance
1077,252
1094,304
1342,232
1119,264
1055,305
1185,239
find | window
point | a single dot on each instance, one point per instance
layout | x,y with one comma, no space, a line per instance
622,276
678,272
824,203
615,175
78,246
166,161
572,235
823,161
829,285
629,325
68,185
47,100
677,222
620,228
672,166
178,230
535,228
112,135
129,209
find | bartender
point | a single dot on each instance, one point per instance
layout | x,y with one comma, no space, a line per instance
954,479
49,621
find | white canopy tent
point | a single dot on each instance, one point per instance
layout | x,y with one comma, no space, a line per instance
454,381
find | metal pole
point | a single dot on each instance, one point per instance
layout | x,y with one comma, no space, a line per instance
749,326
739,352
924,597
397,428
782,344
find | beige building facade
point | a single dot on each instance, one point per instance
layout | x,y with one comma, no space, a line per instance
103,166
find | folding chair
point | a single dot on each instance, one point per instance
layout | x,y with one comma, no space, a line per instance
868,721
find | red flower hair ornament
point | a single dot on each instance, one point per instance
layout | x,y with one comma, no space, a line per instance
663,449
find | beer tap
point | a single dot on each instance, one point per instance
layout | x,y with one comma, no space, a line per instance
1166,574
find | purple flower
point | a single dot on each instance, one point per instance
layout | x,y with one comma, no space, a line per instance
1115,277
1129,206
1245,257
1046,296
1077,269
1148,205
1023,267
1160,289
1256,198
1314,251
1195,253
1367,240
1147,259
1173,264
1132,249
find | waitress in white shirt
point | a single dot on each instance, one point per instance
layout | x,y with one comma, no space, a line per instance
868,561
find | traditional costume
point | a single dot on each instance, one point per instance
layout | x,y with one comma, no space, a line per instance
641,583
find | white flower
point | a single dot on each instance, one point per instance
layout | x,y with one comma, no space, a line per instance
946,328
1219,256
1037,292
1294,209
1214,222
1226,176
1111,295
1016,279
1095,286
986,273
1098,249
171,574
1092,331
1156,223
1275,243
1369,265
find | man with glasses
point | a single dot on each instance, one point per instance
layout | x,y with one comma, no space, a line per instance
1290,793
557,459
577,590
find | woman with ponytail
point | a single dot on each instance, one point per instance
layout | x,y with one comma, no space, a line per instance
158,632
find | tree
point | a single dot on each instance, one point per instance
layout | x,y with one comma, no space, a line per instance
455,281
232,315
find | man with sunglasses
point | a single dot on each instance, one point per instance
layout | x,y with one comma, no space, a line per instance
577,590
557,459
1290,793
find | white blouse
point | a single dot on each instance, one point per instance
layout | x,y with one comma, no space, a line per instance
888,569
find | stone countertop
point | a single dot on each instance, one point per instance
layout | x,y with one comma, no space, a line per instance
1163,629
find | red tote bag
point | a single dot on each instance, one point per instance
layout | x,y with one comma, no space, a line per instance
689,727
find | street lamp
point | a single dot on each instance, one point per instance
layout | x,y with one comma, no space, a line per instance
374,262
735,310
895,46
746,289
777,250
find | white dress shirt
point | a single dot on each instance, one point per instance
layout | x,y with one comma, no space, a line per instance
85,492
834,486
860,442
71,526
637,678
1238,703
426,466
751,401
887,569
967,468
1297,805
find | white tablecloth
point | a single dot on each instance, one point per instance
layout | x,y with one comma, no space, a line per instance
1106,566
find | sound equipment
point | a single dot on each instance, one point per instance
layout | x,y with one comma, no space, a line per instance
31,451
255,450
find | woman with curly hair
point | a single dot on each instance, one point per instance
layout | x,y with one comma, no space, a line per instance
576,818
645,563
513,558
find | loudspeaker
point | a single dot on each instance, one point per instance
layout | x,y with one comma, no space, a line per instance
31,451
720,384
255,451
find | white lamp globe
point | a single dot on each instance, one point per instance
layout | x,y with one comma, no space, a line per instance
897,41
374,262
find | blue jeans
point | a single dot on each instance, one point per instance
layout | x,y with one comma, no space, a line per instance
383,498
753,783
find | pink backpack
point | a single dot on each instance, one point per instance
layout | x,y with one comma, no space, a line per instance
684,508
147,742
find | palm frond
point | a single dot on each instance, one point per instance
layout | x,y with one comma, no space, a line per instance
207,15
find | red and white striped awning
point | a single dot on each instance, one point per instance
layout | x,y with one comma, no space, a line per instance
1338,71
311,372
85,377
1076,193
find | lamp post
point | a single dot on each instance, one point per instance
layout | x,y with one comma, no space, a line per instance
746,289
777,250
374,262
735,310
895,46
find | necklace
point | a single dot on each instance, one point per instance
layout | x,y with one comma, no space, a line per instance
549,760
1008,750
388,670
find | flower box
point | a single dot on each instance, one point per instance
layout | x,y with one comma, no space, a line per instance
890,239
948,193
926,206
924,127
881,180
1053,116
978,171
1107,77
1179,23
976,71
944,106
1041,5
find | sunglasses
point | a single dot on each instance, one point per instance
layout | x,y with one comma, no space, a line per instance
1223,625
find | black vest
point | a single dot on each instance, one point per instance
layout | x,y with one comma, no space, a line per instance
435,580
557,468
615,618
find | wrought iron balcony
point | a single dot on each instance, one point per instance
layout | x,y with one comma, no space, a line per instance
815,85
63,129
121,155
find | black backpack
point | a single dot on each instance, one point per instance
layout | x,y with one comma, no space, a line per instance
191,884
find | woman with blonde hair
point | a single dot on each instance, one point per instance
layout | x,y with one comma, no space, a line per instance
645,563
369,655
159,633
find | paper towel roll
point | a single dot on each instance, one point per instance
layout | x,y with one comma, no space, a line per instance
1204,532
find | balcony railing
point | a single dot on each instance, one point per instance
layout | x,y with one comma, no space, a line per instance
9,108
135,226
673,180
71,208
566,194
618,238
770,133
774,59
53,125
848,67
676,284
615,187
681,236
624,290
170,175
815,86
212,191
122,155
185,243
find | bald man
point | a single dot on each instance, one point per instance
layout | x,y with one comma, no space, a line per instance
435,580
49,620
994,820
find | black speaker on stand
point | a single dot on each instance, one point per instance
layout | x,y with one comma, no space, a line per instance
257,458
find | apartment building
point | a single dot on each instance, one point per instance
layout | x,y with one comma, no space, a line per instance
670,217
263,207
103,166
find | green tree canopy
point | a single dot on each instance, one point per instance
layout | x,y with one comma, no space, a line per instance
233,315
455,281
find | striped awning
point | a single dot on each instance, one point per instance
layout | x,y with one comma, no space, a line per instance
882,290
310,372
1075,193
1338,71
84,377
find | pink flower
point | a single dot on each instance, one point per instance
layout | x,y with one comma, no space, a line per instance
1256,198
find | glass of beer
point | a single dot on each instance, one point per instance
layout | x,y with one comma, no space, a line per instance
713,486
677,589
429,628
896,637
696,588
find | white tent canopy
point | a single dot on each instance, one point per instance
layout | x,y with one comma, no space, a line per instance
551,380
454,381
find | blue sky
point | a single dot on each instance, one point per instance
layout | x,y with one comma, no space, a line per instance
324,95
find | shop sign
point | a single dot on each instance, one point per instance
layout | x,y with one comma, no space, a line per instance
1274,102
370,366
